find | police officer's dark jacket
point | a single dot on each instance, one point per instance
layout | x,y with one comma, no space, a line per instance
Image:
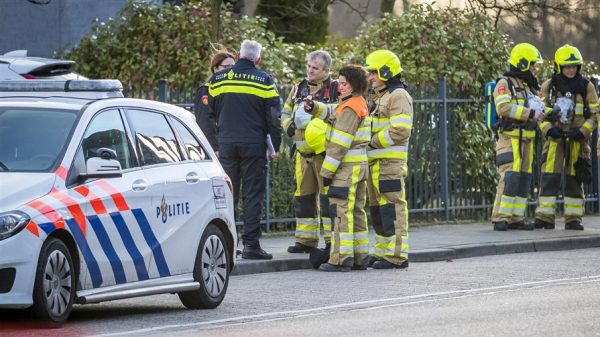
205,117
246,103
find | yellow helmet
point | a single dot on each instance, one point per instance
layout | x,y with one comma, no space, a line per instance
523,54
384,62
315,135
567,55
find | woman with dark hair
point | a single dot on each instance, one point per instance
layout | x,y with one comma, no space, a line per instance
345,170
220,60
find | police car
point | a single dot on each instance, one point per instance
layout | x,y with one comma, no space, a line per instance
104,197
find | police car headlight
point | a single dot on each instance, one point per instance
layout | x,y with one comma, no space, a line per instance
12,222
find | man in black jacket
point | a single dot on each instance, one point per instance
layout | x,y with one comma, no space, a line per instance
247,105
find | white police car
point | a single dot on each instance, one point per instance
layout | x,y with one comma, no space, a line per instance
104,197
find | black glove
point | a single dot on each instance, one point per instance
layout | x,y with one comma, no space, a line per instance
309,105
555,133
327,181
575,134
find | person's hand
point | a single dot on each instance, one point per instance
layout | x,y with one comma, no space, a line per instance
327,181
274,156
217,154
575,134
555,133
538,115
598,151
309,105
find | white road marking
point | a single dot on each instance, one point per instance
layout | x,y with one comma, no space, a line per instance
358,306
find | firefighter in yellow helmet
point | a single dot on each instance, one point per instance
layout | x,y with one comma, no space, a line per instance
391,111
308,134
518,108
568,128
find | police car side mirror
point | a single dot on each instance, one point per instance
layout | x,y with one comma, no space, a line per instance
106,153
102,168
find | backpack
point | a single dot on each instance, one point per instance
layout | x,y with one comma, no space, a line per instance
489,105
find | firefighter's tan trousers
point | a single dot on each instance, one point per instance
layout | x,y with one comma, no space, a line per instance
347,198
388,209
309,203
561,155
514,157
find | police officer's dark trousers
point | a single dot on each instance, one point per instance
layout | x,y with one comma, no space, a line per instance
245,164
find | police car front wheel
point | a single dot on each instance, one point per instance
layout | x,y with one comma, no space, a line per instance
54,288
211,270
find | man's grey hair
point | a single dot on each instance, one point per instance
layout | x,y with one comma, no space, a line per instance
250,50
322,55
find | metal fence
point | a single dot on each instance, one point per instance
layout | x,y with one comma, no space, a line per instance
437,186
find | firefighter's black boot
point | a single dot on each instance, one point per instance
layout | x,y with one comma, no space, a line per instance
299,248
539,223
574,225
500,226
383,264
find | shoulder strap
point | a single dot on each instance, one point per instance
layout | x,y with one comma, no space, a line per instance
333,91
511,86
301,86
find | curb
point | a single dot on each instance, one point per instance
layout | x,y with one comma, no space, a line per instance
438,254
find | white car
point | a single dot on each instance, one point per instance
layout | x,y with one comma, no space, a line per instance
16,65
104,198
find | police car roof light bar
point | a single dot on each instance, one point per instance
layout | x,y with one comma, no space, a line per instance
63,86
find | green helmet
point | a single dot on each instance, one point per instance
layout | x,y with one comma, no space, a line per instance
523,55
384,62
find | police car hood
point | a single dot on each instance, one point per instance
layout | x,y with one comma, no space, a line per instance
20,188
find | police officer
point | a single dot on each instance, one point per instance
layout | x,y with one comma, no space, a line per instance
247,105
514,92
567,131
308,135
221,60
344,170
391,118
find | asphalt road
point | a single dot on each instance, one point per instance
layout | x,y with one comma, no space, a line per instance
529,294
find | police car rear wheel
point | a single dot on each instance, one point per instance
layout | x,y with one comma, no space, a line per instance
211,269
54,289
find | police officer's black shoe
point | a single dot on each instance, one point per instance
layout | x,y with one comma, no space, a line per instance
574,225
500,226
333,267
255,253
539,223
383,264
299,248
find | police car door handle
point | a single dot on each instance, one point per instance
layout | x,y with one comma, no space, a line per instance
192,178
139,185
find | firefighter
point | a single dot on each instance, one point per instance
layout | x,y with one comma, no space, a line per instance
391,117
310,204
345,172
567,130
518,109
205,118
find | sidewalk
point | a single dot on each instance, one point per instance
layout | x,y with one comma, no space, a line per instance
443,242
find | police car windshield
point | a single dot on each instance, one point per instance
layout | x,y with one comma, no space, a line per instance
31,139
